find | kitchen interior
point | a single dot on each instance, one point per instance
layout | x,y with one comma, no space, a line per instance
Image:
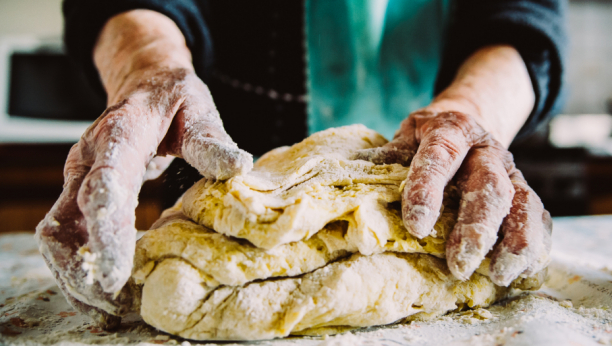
45,106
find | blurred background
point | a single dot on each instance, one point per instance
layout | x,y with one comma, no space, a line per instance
568,162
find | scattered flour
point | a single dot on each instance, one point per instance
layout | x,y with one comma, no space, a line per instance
33,311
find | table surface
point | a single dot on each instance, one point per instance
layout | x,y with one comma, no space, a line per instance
574,307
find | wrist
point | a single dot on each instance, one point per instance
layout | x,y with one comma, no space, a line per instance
134,41
493,87
476,110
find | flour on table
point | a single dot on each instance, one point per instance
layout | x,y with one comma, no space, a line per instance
33,312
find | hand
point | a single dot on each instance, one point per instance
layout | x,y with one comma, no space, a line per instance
158,106
493,194
88,238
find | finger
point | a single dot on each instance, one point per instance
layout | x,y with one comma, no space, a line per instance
532,283
61,234
157,166
527,230
444,141
100,317
121,144
386,155
486,197
400,150
205,144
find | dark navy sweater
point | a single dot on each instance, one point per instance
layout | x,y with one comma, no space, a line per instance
220,33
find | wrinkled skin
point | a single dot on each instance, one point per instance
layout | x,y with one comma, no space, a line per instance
159,107
440,146
160,112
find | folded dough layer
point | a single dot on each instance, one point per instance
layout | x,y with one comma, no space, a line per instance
293,192
358,291
309,240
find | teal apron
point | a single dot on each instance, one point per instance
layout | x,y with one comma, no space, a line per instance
371,61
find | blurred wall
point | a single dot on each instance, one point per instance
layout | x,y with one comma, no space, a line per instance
589,72
22,17
31,176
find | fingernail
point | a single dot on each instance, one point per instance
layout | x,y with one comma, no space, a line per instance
471,244
463,265
507,267
417,220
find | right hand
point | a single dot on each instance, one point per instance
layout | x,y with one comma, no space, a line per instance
496,201
88,238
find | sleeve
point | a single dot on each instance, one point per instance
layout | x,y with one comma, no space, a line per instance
536,28
83,20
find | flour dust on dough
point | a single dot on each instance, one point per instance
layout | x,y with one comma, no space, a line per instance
293,192
310,240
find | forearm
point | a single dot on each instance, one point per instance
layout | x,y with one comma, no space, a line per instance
135,40
494,87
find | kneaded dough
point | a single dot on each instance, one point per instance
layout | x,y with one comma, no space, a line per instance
310,240
293,192
359,291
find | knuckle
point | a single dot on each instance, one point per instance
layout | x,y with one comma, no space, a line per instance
406,127
455,117
109,124
419,199
521,200
457,121
117,107
497,185
443,149
526,201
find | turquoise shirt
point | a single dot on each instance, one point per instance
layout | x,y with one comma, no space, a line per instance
371,61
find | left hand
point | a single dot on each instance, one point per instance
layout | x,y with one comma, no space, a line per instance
448,144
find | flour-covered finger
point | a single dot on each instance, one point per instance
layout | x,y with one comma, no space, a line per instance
205,144
445,140
526,245
108,309
157,166
63,232
386,155
214,158
61,235
400,150
101,318
486,197
121,143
